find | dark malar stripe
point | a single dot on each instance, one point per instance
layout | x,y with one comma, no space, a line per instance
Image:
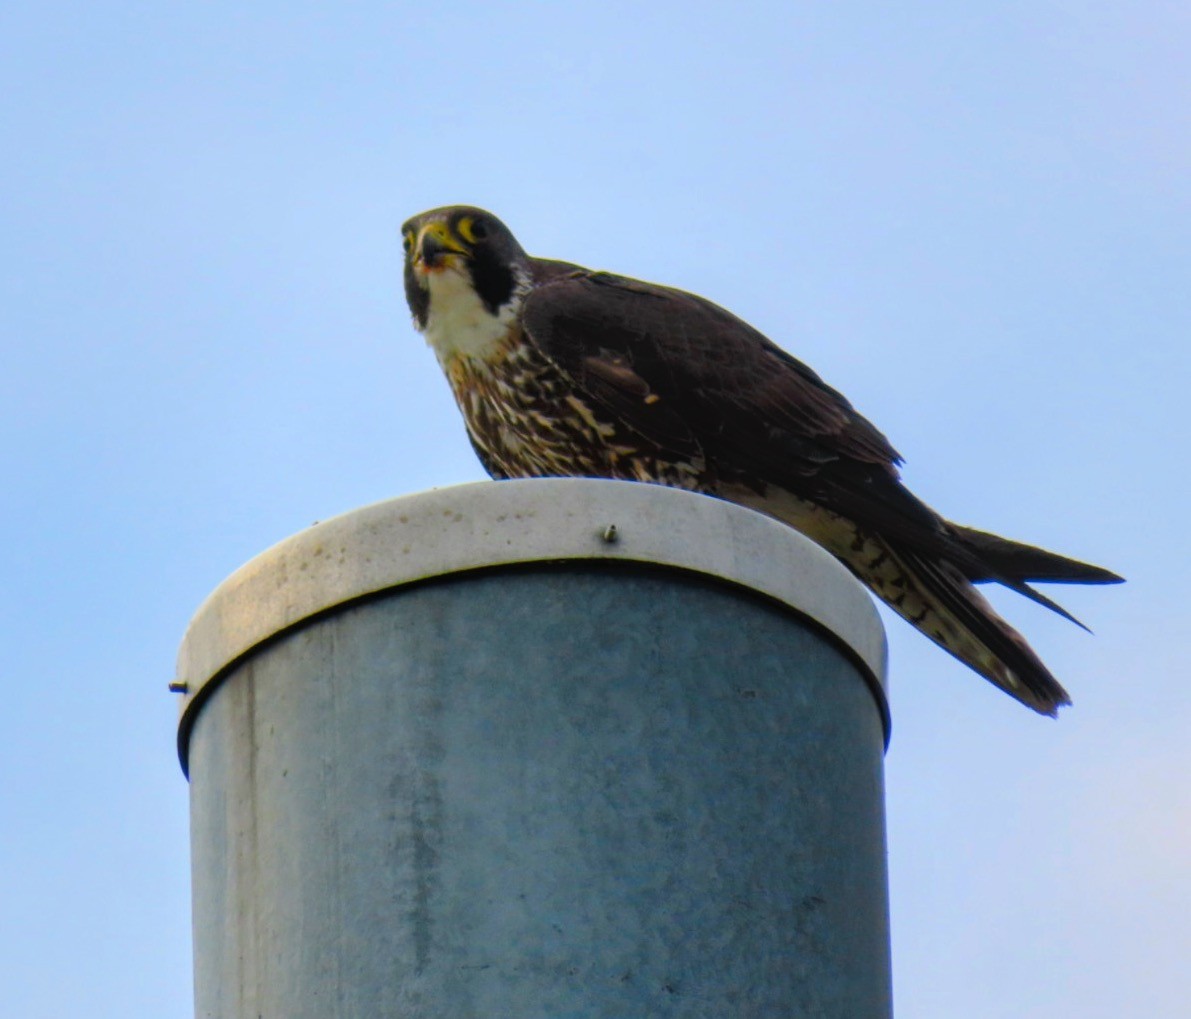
493,281
416,296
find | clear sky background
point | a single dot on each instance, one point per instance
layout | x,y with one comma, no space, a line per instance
974,219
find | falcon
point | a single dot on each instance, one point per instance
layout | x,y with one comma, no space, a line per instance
565,371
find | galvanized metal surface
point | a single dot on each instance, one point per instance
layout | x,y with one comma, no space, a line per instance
476,526
580,790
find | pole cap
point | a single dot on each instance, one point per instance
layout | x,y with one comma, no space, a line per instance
489,524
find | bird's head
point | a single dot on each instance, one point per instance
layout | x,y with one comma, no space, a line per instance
465,274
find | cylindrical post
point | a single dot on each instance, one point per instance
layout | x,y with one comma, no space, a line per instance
535,750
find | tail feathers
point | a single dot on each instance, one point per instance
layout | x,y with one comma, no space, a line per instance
1008,561
941,602
930,580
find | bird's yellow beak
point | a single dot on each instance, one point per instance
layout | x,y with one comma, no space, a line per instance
436,248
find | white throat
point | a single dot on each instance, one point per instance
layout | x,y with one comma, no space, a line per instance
458,324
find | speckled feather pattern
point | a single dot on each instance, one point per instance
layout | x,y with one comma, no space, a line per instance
526,420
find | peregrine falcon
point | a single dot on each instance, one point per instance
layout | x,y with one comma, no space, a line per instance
564,371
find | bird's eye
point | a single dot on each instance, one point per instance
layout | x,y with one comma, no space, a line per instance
471,229
407,241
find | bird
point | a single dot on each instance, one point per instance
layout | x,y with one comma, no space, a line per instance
563,371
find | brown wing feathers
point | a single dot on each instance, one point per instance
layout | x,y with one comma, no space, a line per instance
736,391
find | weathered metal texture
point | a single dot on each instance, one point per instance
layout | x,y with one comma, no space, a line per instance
579,788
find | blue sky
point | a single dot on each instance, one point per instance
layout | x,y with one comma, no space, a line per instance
973,222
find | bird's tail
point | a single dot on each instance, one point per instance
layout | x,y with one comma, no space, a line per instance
947,607
935,597
932,586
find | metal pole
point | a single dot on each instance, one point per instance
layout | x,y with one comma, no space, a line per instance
538,750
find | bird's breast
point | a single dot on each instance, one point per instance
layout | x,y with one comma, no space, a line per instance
528,419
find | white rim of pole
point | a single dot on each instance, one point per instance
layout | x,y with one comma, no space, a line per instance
486,525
